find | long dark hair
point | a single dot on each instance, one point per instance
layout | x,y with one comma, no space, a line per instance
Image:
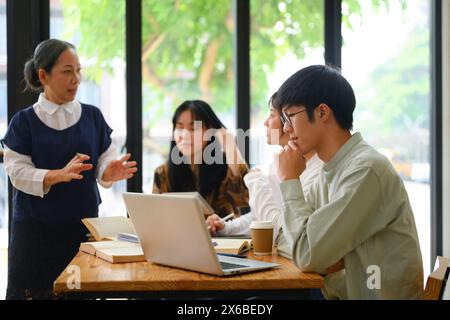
181,177
45,56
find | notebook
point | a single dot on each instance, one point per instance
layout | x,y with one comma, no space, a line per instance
232,245
107,228
129,237
114,251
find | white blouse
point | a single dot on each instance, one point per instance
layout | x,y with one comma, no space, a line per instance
20,168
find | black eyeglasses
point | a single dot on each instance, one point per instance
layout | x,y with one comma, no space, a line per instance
287,117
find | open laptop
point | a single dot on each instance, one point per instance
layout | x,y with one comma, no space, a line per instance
172,232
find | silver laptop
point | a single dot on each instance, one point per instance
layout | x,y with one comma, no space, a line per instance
173,232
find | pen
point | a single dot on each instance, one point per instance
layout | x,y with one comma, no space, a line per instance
231,215
228,217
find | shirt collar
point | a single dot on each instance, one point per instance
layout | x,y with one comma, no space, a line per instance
343,152
51,107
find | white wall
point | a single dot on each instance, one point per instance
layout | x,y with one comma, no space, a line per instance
446,127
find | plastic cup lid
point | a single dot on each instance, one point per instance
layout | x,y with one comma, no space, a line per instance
261,225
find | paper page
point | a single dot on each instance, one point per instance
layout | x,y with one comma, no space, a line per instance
111,226
129,251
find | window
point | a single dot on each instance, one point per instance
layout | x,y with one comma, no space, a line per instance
285,37
3,176
187,54
97,29
386,57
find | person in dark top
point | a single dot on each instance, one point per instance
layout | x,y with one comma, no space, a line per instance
55,152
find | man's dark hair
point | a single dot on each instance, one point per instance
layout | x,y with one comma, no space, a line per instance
315,85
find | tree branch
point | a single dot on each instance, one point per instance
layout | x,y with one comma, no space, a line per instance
207,69
151,46
150,77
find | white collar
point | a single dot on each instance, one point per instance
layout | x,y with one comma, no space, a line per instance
51,107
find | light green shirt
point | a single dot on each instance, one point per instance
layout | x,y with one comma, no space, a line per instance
358,210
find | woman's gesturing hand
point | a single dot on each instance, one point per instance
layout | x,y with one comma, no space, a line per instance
120,169
71,171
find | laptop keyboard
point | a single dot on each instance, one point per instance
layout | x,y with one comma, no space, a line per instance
226,265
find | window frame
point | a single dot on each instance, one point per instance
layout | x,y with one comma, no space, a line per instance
19,48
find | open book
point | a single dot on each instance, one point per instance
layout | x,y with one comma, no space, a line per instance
107,228
232,245
207,209
114,251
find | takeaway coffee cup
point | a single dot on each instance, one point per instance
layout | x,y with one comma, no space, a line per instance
262,237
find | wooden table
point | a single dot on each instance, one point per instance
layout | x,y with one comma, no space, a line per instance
99,278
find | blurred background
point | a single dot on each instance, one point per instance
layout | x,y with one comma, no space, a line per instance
188,53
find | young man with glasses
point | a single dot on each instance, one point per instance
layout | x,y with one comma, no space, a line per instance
357,216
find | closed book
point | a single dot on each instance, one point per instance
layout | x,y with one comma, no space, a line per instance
122,255
114,251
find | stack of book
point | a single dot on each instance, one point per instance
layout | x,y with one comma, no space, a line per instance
116,240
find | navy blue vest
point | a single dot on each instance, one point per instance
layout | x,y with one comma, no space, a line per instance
53,149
